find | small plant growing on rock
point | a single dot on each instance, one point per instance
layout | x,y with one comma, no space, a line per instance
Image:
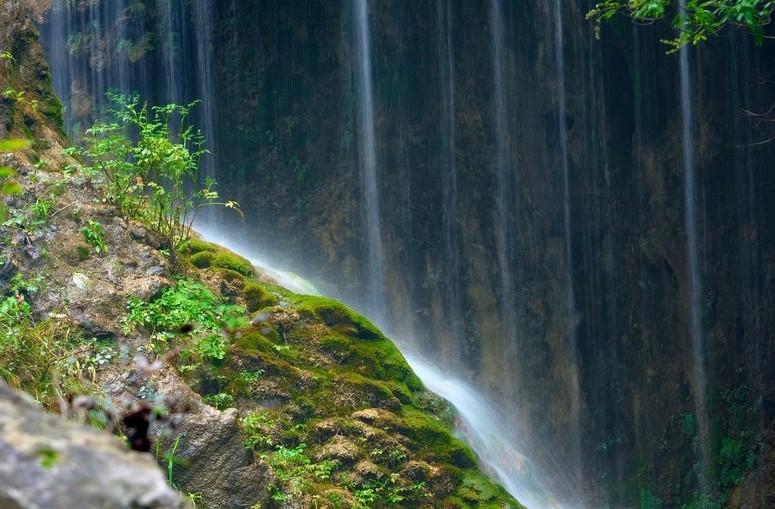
94,233
148,175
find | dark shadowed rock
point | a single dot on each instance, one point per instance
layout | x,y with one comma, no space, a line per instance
50,463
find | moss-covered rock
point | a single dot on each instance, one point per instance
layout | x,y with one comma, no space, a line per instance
203,255
258,297
329,401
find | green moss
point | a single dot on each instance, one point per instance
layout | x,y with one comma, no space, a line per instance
194,246
336,315
202,260
82,252
204,254
257,297
228,260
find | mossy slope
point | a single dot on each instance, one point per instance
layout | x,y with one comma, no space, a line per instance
331,404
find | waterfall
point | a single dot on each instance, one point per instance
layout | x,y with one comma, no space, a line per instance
481,424
172,56
570,295
367,152
446,58
90,51
203,31
698,375
505,235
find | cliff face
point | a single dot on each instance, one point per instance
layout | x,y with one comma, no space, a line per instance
285,401
471,188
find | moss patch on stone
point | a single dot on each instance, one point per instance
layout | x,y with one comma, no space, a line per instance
326,396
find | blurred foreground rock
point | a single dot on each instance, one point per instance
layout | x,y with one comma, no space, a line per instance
49,463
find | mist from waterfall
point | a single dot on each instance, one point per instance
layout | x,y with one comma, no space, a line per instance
698,376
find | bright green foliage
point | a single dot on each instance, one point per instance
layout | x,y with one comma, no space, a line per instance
296,471
9,186
256,427
94,233
187,303
149,178
40,358
699,20
221,401
40,211
212,346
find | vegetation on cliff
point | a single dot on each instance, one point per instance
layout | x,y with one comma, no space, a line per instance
107,295
695,20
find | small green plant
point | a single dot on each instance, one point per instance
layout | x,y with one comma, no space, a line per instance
251,376
94,233
148,176
45,358
171,460
221,401
41,211
9,186
186,305
48,458
296,471
257,427
212,346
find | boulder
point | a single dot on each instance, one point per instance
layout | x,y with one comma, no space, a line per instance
50,463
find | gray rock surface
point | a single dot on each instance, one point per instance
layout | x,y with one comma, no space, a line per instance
50,463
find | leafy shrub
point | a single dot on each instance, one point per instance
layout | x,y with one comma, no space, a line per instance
9,186
148,175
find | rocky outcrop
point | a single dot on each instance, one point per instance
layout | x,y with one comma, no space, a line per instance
50,463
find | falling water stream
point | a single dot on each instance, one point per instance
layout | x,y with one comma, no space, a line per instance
699,378
448,135
570,294
506,196
461,189
367,152
479,422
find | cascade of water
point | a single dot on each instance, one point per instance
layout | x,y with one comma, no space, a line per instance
203,22
90,51
500,451
570,295
367,152
699,378
446,59
505,230
172,57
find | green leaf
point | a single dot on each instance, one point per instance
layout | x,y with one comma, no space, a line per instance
6,172
14,145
